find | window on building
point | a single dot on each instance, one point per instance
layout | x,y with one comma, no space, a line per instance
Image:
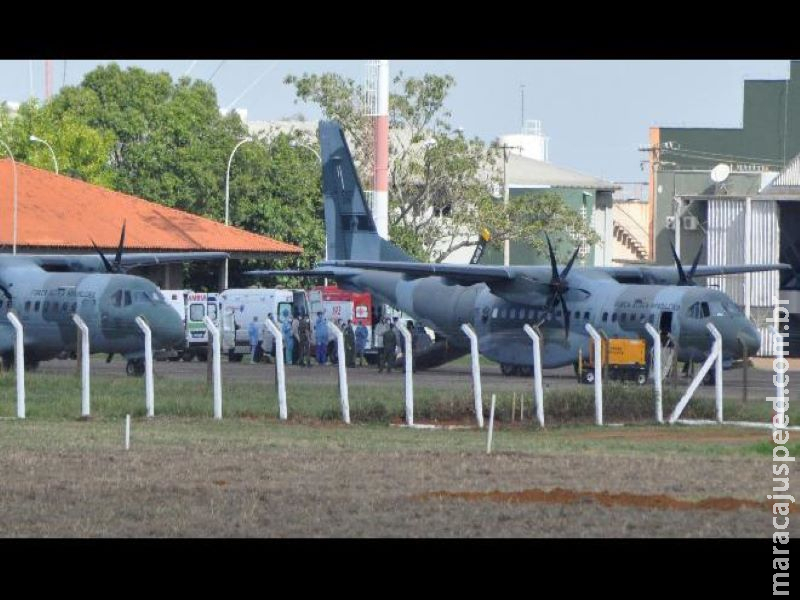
36,306
27,306
605,317
586,316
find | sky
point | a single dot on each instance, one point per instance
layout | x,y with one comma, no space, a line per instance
596,113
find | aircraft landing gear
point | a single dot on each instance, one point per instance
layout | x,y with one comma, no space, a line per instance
135,367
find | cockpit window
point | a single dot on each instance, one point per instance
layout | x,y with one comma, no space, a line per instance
127,298
116,298
140,297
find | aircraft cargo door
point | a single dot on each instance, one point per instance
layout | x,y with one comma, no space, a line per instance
665,326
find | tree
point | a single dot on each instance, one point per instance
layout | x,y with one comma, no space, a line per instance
530,215
440,182
81,150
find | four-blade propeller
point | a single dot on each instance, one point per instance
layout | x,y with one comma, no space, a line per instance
116,266
558,284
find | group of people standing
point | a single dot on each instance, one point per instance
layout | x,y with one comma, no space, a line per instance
298,333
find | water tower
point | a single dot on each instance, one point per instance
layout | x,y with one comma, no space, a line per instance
531,143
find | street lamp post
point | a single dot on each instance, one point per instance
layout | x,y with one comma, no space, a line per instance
14,164
296,144
228,196
33,138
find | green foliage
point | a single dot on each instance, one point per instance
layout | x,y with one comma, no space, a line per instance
81,150
530,215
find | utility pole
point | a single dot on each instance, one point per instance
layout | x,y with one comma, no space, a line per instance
506,243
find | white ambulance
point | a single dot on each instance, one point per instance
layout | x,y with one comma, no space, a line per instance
239,306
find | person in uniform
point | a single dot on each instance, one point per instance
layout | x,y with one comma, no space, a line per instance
349,345
387,357
362,333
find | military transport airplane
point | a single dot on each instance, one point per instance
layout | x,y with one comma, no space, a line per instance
497,301
46,290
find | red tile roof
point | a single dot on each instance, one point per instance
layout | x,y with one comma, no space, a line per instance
60,212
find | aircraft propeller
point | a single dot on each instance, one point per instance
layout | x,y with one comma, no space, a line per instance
116,266
558,284
683,278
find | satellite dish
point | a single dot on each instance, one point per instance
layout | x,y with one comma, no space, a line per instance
720,173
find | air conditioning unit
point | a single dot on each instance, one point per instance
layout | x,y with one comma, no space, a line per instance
690,223
670,222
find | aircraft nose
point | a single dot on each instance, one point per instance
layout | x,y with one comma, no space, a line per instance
169,329
751,338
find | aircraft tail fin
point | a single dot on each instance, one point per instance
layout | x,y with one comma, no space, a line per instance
349,226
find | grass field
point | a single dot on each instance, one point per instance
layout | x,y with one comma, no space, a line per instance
252,475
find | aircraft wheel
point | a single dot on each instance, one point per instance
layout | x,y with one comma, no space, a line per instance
134,368
588,376
641,378
526,371
507,369
202,356
187,356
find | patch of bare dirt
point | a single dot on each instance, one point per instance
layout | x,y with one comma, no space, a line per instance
608,499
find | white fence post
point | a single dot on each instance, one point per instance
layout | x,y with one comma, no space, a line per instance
656,370
19,363
715,355
84,332
127,432
476,372
409,373
148,366
279,366
598,374
491,428
217,366
343,395
538,392
717,369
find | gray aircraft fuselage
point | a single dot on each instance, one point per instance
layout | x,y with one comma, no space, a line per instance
108,303
619,310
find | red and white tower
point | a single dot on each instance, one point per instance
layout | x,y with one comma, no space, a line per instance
48,79
377,105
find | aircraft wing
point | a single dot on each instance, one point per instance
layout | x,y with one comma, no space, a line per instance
92,263
669,275
464,274
296,273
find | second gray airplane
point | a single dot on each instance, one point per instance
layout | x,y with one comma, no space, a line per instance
498,301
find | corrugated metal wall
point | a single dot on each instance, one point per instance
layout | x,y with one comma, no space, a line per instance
725,243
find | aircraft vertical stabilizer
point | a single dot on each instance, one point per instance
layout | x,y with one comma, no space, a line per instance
349,225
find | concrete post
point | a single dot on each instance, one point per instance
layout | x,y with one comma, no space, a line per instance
409,373
714,355
718,368
343,393
84,364
538,392
476,372
216,357
148,366
19,363
279,367
598,374
656,370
